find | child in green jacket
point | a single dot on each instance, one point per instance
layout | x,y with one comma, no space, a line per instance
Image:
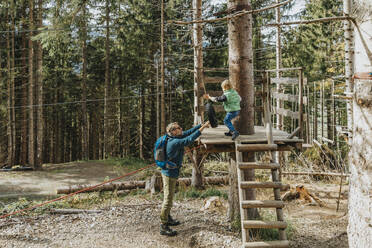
231,103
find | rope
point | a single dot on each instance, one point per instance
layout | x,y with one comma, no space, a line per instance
82,190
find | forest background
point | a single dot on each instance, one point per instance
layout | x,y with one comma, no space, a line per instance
80,79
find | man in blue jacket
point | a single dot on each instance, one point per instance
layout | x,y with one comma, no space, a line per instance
177,140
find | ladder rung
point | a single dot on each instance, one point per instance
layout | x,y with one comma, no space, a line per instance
266,244
264,224
262,204
256,147
253,184
254,165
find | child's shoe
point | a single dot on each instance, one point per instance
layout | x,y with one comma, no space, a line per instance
235,135
229,133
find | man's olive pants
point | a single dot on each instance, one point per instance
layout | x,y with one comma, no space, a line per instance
169,187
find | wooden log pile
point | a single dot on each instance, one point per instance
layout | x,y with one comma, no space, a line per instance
153,183
302,194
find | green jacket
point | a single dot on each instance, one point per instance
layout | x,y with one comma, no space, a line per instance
233,100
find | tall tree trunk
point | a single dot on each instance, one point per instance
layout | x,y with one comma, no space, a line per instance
13,71
84,126
349,63
315,114
24,122
31,134
197,170
141,111
241,76
234,207
10,159
40,119
279,103
360,207
106,122
162,97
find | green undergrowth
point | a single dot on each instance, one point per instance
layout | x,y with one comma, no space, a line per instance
94,200
190,192
270,234
130,164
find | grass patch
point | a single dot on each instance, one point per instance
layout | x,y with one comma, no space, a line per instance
82,201
270,234
187,193
131,163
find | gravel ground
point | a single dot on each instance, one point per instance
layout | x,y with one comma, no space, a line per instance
134,222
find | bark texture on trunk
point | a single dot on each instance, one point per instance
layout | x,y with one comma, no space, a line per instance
349,62
162,96
107,139
197,170
234,207
23,148
84,119
40,118
241,76
241,64
31,139
360,156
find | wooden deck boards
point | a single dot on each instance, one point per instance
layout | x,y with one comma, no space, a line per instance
216,136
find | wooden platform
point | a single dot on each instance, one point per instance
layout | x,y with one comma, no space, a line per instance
214,139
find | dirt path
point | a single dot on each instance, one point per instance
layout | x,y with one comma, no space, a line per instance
132,224
133,221
46,182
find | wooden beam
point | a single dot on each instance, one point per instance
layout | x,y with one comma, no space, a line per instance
264,224
263,185
287,97
216,69
284,80
214,80
315,173
262,204
281,69
286,112
256,147
268,244
296,131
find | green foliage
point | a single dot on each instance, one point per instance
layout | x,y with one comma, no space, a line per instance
270,234
127,162
23,203
184,193
236,224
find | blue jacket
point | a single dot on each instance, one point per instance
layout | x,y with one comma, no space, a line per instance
175,149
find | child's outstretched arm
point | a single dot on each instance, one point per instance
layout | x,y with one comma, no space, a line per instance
221,98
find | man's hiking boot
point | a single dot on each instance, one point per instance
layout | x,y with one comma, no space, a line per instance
228,133
172,222
165,230
235,135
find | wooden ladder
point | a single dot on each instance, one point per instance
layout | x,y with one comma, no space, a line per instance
278,204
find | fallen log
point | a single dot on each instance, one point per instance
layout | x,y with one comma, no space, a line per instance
301,193
139,185
315,173
74,211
